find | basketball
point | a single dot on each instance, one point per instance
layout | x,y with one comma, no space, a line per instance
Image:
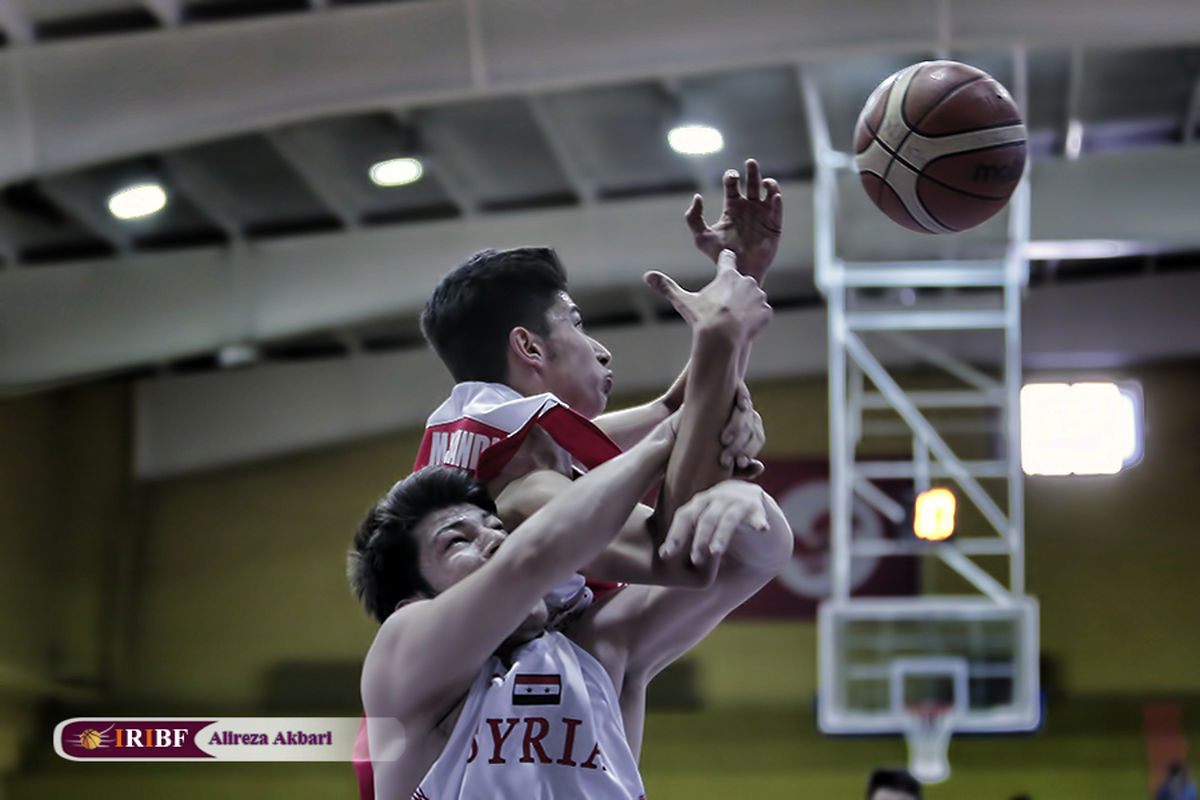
90,739
940,146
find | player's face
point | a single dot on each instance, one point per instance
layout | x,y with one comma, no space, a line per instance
577,365
455,541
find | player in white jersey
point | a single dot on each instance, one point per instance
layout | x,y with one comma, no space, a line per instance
468,694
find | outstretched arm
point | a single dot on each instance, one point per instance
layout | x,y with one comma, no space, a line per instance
726,316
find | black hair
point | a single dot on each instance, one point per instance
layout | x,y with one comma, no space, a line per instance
893,778
383,561
468,317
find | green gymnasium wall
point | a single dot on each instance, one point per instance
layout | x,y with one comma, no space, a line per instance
225,593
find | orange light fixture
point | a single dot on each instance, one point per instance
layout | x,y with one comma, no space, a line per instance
933,517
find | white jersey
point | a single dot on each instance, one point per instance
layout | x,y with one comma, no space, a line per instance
546,728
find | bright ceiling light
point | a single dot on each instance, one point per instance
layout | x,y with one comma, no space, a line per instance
396,171
695,140
137,201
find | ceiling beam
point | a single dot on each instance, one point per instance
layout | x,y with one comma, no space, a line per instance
453,156
560,145
16,23
212,196
348,57
1073,137
1191,119
69,192
327,185
168,12
442,169
87,318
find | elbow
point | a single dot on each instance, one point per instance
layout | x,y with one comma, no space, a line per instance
779,541
765,553
780,546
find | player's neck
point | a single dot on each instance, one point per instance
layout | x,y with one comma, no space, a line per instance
512,644
527,382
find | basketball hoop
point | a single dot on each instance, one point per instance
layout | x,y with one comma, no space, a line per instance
927,732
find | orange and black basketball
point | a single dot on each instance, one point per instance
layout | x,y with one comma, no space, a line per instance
940,146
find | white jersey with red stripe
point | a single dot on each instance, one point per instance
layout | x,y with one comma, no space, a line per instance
546,727
481,426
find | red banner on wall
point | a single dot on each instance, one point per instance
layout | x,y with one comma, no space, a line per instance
801,487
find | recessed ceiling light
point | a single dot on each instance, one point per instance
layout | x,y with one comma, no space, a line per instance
137,201
695,140
396,171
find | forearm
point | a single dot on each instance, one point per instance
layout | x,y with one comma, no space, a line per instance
576,525
712,382
627,426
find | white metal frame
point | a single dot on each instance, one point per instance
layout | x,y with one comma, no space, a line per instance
850,361
1023,713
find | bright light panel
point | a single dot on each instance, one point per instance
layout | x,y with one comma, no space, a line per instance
137,201
1078,429
695,140
396,171
933,516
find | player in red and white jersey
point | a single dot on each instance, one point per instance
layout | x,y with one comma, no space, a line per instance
532,382
527,415
470,694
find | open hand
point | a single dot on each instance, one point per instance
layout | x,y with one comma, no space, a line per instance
730,301
750,223
705,524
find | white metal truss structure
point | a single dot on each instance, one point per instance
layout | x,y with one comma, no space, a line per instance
859,322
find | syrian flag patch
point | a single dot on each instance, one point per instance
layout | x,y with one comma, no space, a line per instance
537,690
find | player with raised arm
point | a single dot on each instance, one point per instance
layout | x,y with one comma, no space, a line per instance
531,380
532,385
469,691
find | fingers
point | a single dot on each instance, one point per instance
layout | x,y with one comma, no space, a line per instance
682,526
726,262
742,448
774,202
706,526
758,517
726,527
751,470
731,185
753,180
675,294
742,401
742,404
694,216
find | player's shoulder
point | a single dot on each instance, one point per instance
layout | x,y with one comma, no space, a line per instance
385,652
391,632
